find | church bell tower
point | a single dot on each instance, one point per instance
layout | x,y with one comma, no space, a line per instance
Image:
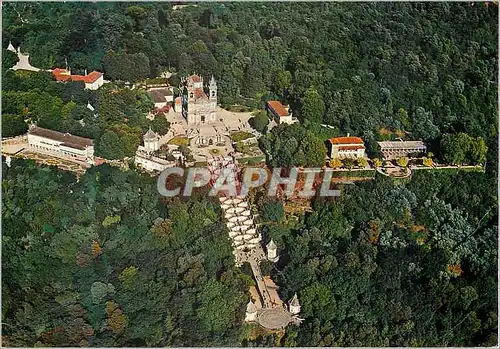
213,89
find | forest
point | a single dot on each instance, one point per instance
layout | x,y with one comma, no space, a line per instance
418,70
102,262
395,264
105,261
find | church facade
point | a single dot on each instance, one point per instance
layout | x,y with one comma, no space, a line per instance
199,108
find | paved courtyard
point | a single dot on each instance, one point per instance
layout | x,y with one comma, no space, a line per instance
274,318
11,147
227,122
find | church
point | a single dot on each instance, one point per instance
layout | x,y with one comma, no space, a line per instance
198,108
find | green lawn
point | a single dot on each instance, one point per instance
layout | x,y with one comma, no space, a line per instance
179,141
241,136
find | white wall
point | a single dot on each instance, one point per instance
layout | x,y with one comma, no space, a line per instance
46,144
151,145
160,105
151,165
336,153
286,119
96,84
251,317
294,309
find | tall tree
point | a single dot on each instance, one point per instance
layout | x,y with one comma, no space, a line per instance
312,106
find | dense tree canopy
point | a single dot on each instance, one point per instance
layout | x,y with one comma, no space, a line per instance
160,124
461,148
415,67
312,106
131,269
259,121
408,262
293,145
394,264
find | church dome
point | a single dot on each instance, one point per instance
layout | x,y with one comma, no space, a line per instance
150,135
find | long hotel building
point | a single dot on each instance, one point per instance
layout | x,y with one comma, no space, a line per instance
62,144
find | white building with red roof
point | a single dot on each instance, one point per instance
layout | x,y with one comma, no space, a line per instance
347,147
92,81
280,113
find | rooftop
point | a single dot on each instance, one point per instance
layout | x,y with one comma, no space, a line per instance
200,94
271,245
346,140
212,81
278,108
295,301
164,109
251,308
158,95
150,134
401,144
65,75
195,78
67,139
61,74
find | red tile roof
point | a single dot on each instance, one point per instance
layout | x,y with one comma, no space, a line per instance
92,77
165,108
195,78
346,140
64,75
278,108
178,100
351,147
200,94
61,74
60,71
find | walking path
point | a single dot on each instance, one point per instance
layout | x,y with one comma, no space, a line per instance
396,171
23,63
411,168
247,248
443,167
246,241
